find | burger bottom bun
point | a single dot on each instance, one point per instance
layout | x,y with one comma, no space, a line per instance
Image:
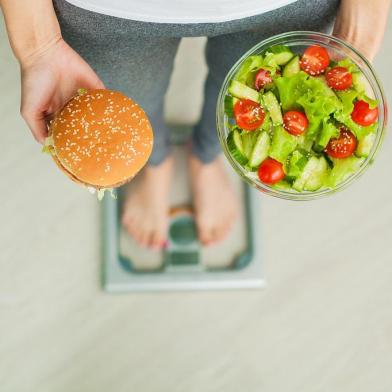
75,179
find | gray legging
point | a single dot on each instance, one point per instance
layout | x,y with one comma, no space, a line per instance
137,57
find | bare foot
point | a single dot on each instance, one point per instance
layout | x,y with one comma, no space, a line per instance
145,211
215,202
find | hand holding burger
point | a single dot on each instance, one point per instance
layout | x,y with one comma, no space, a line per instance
100,139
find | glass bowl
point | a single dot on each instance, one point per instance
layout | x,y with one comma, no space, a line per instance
337,49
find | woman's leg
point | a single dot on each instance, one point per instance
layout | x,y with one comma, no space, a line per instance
140,66
213,196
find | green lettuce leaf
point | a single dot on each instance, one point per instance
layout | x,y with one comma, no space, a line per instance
291,88
347,63
303,92
248,69
372,102
328,131
318,102
101,192
347,98
247,72
283,144
295,164
82,91
357,129
48,148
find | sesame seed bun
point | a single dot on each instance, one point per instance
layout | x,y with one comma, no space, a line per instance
101,139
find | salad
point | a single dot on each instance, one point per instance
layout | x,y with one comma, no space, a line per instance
300,122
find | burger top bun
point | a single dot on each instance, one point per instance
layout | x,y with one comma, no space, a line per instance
101,138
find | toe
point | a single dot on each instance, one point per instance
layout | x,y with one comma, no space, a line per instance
222,232
129,219
129,227
137,233
145,237
205,233
125,220
215,236
158,240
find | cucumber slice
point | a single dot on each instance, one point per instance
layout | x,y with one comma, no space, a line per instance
292,67
242,91
272,105
327,91
365,145
236,148
248,141
283,144
317,178
342,169
267,124
260,149
229,105
283,185
359,82
279,55
310,167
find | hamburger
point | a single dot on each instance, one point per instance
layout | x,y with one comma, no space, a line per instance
100,139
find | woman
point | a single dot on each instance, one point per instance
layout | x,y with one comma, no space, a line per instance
131,46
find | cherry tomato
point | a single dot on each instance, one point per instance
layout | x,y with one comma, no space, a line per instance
262,78
315,60
339,78
295,122
270,171
248,114
343,146
363,115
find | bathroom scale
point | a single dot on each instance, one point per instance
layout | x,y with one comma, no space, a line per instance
234,263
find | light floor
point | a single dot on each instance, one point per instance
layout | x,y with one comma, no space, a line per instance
324,323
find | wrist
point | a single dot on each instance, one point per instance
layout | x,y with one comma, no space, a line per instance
32,27
28,55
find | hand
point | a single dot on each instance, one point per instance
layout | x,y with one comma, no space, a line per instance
362,23
50,80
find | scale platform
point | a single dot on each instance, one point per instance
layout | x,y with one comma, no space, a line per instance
235,263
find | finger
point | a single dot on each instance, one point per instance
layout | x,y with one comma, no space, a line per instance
99,83
94,82
91,79
37,125
91,84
